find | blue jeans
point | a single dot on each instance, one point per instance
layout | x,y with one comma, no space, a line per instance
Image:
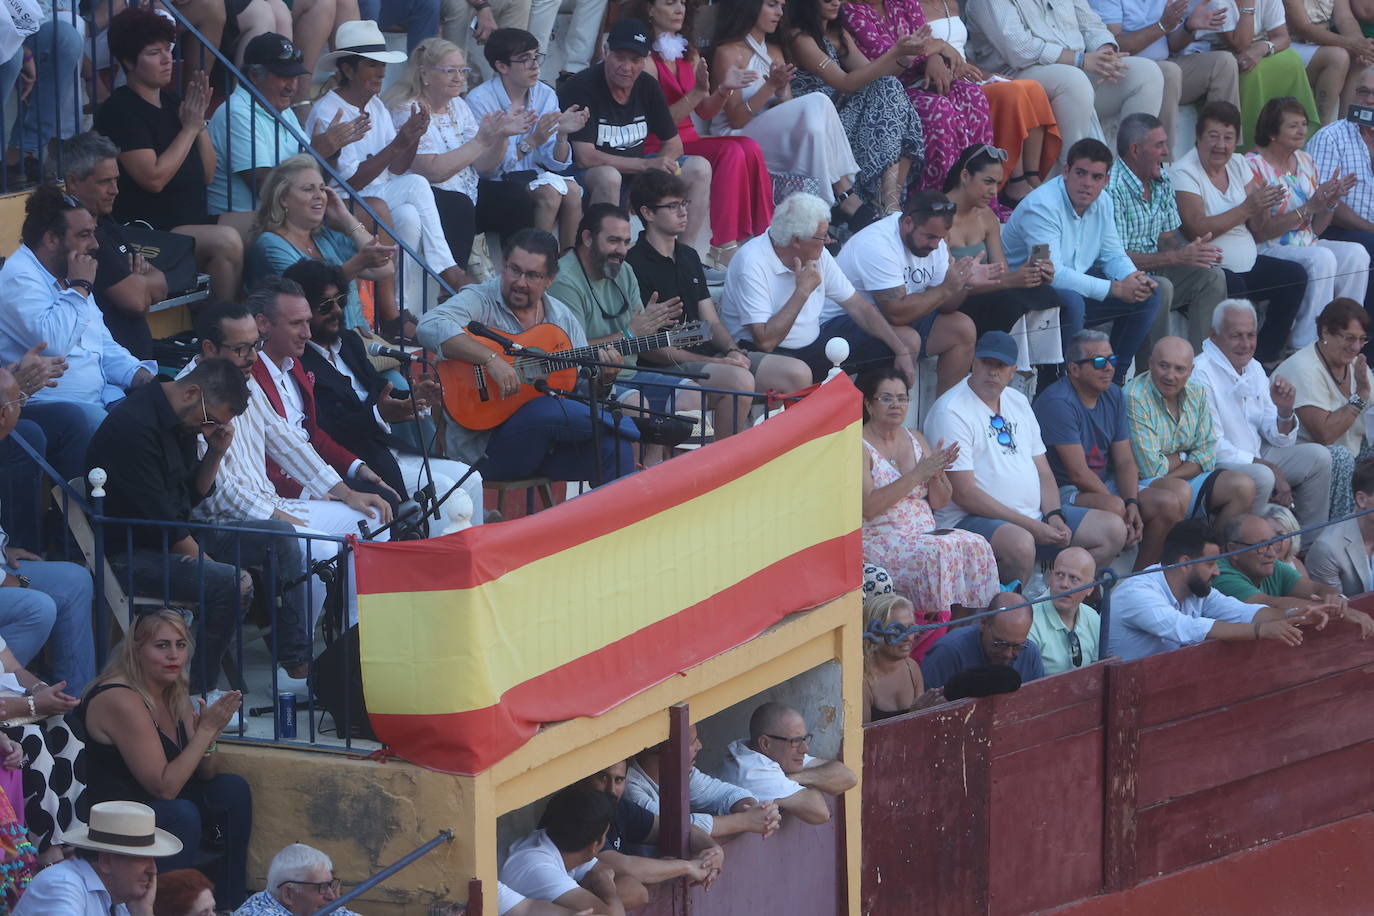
57,605
227,802
1131,322
22,485
552,437
56,47
68,426
420,17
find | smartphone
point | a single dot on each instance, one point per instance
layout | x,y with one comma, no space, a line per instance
1361,114
1040,252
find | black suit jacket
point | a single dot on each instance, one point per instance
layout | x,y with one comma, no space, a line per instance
349,420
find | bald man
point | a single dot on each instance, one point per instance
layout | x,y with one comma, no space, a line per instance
1064,629
1172,434
999,639
773,765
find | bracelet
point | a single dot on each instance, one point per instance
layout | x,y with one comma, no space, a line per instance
1247,9
1078,59
1053,512
33,707
1131,501
1257,626
80,283
1160,25
211,749
356,227
1287,419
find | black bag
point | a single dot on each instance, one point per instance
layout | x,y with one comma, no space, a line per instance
170,252
336,695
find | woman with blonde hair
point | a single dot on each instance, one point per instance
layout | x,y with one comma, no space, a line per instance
300,217
892,680
148,742
1285,522
457,148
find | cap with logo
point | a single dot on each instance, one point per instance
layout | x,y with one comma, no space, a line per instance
629,35
276,53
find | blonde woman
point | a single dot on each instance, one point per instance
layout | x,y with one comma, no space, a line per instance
147,742
892,679
300,217
1285,522
457,146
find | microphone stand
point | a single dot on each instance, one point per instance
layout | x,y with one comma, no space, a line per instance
425,495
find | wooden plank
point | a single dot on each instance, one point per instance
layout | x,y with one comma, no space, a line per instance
1122,750
1014,737
674,765
1049,695
1237,815
926,792
1258,735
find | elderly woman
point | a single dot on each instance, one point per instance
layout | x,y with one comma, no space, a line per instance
892,679
300,879
903,483
1218,195
147,742
456,147
166,159
300,216
1333,382
378,163
1292,227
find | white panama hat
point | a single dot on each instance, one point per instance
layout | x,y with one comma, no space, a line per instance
123,827
363,38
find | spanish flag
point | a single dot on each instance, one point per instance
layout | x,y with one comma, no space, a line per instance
470,641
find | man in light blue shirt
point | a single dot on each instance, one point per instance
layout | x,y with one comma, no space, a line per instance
1096,281
1165,609
45,298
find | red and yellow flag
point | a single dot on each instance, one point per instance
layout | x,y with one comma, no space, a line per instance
470,641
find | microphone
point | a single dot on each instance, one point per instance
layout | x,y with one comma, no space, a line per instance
376,349
477,329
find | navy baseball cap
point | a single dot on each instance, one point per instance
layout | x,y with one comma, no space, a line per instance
629,35
276,53
998,345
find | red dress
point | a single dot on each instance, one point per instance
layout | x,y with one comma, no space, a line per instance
741,188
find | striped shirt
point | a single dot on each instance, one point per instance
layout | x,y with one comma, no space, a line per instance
1339,147
1141,222
1155,434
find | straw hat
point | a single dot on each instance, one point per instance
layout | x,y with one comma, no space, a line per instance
126,828
363,38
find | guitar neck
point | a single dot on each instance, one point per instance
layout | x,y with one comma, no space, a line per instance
626,346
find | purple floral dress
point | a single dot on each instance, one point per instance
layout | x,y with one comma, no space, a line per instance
952,122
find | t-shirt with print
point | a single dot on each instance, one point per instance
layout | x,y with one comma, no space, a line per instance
1066,420
1006,472
113,265
876,257
612,127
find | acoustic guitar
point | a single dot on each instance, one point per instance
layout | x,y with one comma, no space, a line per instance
476,404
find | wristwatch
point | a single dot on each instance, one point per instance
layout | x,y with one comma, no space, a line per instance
1356,402
80,283
1053,512
524,148
1131,501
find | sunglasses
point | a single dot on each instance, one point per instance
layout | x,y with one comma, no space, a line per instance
1099,362
793,742
997,154
327,306
1004,436
1075,649
1016,647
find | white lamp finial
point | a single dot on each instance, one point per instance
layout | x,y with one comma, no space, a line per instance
837,351
96,478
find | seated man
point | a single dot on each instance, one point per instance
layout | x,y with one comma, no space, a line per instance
126,285
546,437
1083,422
1340,559
558,862
1170,608
626,105
45,298
774,766
357,408
718,808
632,829
1147,220
1003,487
902,265
1342,148
300,880
776,288
1172,434
1065,631
1254,421
1070,216
999,639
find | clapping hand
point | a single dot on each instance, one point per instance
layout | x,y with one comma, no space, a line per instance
1283,394
780,77
414,127
655,316
1265,197
341,133
1200,252
34,371
936,462
735,78
1206,18
193,103
573,120
214,717
982,273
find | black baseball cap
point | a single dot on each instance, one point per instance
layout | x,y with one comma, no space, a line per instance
276,53
629,35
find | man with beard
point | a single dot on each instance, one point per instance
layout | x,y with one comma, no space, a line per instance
1165,609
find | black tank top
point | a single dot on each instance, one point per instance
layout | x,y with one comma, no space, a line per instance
108,777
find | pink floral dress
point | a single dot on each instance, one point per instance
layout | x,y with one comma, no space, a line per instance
952,122
933,571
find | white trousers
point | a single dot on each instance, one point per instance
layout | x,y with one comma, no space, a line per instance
1083,105
1334,270
579,45
417,223
460,510
329,517
1307,468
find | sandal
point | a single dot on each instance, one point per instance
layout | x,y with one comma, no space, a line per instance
1011,202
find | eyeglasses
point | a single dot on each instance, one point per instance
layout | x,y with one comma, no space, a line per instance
1075,650
209,420
678,206
793,742
332,886
1004,436
1016,648
242,350
893,400
325,306
1360,339
997,154
1260,546
451,72
529,60
1099,362
533,276
72,202
21,401
821,238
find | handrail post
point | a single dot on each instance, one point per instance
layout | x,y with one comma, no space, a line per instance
97,479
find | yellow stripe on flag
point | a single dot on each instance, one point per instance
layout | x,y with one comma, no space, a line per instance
438,652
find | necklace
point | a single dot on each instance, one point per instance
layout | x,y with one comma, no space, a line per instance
1340,382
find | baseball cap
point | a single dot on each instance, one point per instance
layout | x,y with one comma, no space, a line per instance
276,53
629,35
998,345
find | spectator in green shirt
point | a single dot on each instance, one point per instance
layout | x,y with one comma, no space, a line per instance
1258,576
1065,630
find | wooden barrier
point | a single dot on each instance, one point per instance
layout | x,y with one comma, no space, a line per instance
1099,779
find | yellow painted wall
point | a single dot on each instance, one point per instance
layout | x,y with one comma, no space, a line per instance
11,221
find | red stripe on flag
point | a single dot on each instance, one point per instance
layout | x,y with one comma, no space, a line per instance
478,555
470,742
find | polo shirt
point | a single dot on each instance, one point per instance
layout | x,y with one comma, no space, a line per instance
1278,584
114,265
1052,637
680,276
132,123
246,136
603,307
1135,16
1141,222
534,867
962,649
758,285
615,128
1147,618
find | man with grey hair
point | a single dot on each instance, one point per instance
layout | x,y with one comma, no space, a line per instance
1189,272
776,289
300,880
1256,428
126,285
1343,148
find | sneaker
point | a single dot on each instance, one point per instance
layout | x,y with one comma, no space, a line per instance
300,686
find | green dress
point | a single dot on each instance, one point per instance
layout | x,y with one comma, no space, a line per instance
1274,77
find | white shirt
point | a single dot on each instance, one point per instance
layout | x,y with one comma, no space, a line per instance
758,285
759,775
706,795
70,888
507,899
1237,245
1269,14
447,131
334,353
877,258
381,133
1006,474
1243,413
1147,618
534,868
290,394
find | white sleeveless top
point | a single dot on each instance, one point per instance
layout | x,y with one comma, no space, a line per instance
759,62
952,30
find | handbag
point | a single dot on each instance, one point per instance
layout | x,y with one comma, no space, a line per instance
170,252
